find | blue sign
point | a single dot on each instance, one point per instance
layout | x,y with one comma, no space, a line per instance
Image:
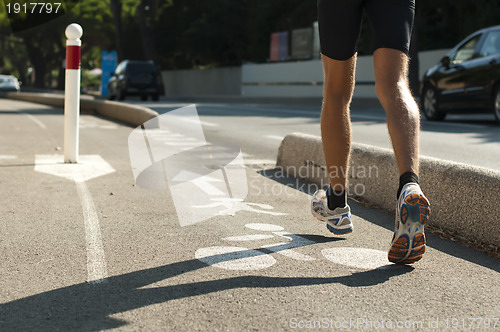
108,61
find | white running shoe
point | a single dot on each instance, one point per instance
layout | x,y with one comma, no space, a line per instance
412,212
338,221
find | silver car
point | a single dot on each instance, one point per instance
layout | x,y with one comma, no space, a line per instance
9,83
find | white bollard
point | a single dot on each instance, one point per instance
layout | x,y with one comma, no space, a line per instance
72,93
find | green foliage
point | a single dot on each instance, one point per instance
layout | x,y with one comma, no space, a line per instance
446,22
201,33
44,45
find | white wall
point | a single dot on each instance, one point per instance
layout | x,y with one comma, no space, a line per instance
428,59
216,81
305,78
282,79
297,79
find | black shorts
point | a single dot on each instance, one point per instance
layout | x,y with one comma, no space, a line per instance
340,23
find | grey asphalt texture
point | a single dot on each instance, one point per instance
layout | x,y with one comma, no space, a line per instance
156,283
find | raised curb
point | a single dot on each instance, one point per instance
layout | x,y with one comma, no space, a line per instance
464,198
134,115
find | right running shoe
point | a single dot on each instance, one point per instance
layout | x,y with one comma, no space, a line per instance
338,221
412,212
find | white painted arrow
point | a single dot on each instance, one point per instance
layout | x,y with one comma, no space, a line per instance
202,182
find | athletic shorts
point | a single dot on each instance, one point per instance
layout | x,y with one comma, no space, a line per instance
340,24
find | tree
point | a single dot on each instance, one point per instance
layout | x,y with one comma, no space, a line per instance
146,13
116,11
45,43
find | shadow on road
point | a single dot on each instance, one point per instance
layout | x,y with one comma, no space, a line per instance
379,217
87,307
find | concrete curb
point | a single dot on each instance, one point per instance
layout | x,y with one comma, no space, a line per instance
130,114
464,198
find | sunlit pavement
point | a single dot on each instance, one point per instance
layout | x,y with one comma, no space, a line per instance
270,266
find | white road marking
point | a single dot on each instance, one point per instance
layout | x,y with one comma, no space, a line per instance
208,124
259,162
89,167
298,240
264,227
361,258
276,137
251,237
35,120
285,250
93,124
7,157
238,258
202,182
295,241
96,260
203,123
234,258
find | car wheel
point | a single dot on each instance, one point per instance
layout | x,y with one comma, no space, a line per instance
155,97
496,103
121,95
430,105
111,96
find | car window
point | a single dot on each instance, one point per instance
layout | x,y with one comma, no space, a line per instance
491,44
466,51
140,68
119,69
7,80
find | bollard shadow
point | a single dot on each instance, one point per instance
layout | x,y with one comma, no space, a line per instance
36,111
88,307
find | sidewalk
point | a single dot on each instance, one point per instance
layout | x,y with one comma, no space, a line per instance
260,271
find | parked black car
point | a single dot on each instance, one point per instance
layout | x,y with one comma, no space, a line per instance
467,79
135,78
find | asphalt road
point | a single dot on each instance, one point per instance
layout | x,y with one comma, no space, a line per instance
85,249
472,139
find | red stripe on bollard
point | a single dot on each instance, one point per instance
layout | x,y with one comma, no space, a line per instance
72,57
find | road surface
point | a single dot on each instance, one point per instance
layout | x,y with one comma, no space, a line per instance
97,252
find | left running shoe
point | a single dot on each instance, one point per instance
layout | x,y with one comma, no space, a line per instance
412,212
338,221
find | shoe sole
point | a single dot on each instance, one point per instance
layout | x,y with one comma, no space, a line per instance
334,230
338,231
410,244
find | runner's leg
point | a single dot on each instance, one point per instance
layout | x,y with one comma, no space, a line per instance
403,116
335,118
339,27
